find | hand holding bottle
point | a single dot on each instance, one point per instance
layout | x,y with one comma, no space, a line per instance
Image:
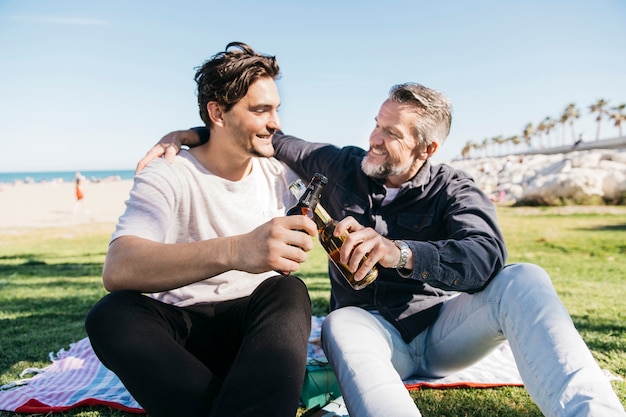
330,240
276,245
360,241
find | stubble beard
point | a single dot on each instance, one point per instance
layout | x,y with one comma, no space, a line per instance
383,170
255,149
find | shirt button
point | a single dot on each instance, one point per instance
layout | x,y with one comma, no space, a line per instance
424,274
455,282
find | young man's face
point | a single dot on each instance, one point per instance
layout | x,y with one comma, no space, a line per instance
254,119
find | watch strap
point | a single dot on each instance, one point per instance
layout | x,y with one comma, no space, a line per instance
404,253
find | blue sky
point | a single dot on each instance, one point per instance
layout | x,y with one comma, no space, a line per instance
90,85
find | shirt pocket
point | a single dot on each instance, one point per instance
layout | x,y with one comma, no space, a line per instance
414,223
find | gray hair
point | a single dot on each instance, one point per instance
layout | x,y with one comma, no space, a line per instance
433,107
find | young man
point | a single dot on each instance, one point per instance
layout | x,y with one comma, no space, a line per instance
444,297
219,333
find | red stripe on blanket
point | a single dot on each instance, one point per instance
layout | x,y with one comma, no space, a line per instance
34,406
419,385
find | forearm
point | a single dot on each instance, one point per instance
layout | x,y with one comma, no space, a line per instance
466,265
466,247
138,264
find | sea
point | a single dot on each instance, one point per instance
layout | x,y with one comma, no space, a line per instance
65,176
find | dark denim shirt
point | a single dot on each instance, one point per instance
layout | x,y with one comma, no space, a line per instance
448,222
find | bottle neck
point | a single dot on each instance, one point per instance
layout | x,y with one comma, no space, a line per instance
322,216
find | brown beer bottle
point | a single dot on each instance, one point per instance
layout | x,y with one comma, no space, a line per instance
309,198
326,227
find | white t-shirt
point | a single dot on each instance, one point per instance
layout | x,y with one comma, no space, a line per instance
183,202
390,195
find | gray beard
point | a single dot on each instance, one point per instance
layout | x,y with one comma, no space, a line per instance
381,171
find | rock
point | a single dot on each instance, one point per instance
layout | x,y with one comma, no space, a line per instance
596,176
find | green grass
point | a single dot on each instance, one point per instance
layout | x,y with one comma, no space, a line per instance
50,278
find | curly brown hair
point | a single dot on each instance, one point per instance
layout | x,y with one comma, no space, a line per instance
226,77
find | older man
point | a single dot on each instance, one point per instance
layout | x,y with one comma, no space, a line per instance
444,297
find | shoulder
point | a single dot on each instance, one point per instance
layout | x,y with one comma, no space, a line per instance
271,165
456,184
448,173
168,178
184,162
273,171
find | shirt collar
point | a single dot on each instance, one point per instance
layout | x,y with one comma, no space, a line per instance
419,180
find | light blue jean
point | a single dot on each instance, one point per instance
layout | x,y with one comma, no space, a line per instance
370,358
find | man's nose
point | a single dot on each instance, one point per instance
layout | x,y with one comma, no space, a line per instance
376,139
273,123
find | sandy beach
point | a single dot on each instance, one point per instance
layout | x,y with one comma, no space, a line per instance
42,205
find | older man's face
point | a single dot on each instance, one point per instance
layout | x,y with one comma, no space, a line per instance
394,152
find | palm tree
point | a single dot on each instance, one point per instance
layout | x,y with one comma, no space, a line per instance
528,134
515,140
544,129
508,142
598,108
570,114
618,116
476,149
541,128
550,123
467,149
498,140
485,147
563,121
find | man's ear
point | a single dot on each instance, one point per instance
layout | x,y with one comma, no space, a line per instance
428,152
432,148
216,113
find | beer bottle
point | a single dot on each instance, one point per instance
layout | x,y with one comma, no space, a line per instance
309,198
331,244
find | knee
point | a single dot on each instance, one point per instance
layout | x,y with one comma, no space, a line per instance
96,315
292,290
525,273
286,294
518,281
347,324
336,320
355,332
295,287
108,313
334,331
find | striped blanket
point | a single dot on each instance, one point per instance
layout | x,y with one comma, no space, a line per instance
77,378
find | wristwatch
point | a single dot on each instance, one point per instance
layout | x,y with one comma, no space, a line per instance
404,253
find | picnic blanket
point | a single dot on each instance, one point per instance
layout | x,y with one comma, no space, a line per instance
77,378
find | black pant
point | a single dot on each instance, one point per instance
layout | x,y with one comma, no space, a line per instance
244,357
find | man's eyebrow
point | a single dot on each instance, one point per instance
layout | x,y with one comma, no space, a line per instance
392,130
263,106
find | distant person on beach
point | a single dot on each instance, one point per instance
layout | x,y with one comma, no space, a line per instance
219,333
444,297
79,190
80,196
